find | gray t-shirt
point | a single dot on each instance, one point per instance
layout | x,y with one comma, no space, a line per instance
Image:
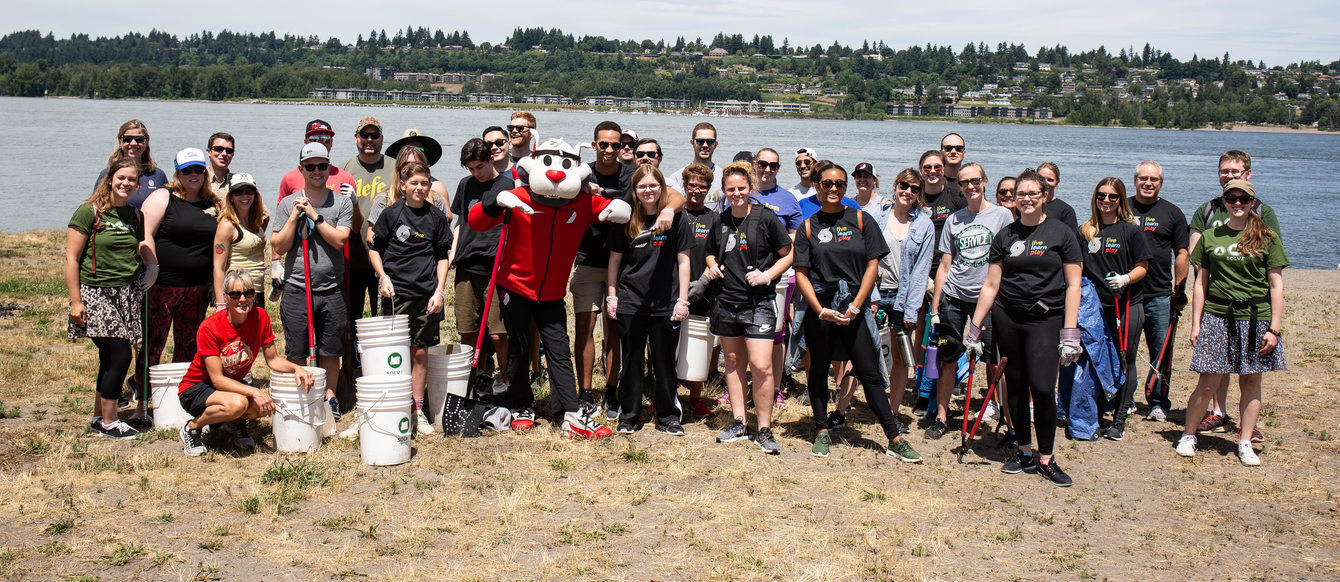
325,261
966,238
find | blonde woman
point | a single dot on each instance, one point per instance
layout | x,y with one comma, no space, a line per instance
239,241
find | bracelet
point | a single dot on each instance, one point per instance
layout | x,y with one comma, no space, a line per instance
225,306
1275,331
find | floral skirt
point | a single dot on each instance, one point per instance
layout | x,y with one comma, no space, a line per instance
109,312
1215,354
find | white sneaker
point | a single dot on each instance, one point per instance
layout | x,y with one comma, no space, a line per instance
1186,446
1247,455
421,424
992,411
350,433
1157,414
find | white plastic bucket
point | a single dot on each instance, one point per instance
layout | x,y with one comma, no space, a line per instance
384,425
381,323
448,373
694,355
164,379
299,417
385,355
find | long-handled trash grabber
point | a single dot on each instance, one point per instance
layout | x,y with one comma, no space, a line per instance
454,414
991,384
967,408
307,284
1157,365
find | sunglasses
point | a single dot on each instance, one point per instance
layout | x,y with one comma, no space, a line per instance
1107,196
321,167
235,295
774,166
1004,192
370,135
1238,199
134,138
973,181
188,170
497,143
222,150
244,191
913,188
626,145
518,128
804,163
833,183
321,138
705,141
652,155
929,167
952,148
608,145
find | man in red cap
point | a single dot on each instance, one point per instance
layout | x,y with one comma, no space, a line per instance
339,180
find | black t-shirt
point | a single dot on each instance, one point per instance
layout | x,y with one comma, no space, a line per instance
649,272
1065,213
1115,249
836,247
593,252
475,250
736,252
1031,259
183,243
411,241
1166,232
938,208
701,223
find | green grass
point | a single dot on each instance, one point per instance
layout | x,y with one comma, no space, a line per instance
123,554
59,526
30,287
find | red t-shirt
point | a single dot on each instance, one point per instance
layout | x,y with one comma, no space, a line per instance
237,346
294,182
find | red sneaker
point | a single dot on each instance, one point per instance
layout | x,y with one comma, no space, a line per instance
697,407
577,425
1212,423
523,419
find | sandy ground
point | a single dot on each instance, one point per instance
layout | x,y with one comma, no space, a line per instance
649,506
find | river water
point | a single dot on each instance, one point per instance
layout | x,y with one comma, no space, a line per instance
49,165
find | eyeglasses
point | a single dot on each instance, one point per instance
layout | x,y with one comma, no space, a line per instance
134,138
930,167
624,145
370,135
1232,173
608,145
1107,196
518,128
696,186
973,181
952,148
833,183
913,188
774,166
222,150
1148,179
648,187
497,143
1238,199
804,163
705,141
235,295
1019,194
321,167
188,170
641,155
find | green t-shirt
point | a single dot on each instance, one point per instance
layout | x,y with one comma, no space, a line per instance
113,246
1213,213
1234,275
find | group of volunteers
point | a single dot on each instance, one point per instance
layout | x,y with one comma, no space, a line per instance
796,277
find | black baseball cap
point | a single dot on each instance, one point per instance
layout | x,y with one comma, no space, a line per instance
865,167
318,126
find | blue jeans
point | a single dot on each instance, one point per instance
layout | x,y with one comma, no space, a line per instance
1158,316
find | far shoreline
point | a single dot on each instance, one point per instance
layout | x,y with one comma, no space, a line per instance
1239,127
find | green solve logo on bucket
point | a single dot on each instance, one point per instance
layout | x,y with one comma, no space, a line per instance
404,425
394,360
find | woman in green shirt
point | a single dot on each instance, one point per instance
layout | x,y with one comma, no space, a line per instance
101,265
1236,308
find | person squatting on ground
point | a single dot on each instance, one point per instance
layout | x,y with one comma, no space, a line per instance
103,255
1033,281
212,391
837,251
1236,310
1116,258
410,245
648,296
749,251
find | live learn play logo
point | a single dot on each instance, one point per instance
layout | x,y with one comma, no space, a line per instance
395,360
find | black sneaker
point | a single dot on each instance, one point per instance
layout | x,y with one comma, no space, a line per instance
334,406
192,443
767,442
140,423
116,430
836,420
1053,472
920,408
1009,441
902,426
1115,431
626,427
936,430
671,427
1019,462
736,431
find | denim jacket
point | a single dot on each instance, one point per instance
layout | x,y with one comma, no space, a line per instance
914,272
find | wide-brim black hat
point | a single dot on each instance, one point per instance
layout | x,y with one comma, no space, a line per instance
431,148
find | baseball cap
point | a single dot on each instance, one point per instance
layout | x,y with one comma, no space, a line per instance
629,133
1240,184
241,179
743,156
190,157
806,152
865,167
318,126
313,150
365,122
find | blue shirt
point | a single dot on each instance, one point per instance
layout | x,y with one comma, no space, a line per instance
811,205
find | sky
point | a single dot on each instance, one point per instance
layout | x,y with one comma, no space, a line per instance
1299,30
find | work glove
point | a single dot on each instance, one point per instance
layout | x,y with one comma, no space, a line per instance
509,200
147,278
612,306
276,270
1179,300
1070,348
681,310
1116,281
972,341
347,190
617,212
698,288
385,287
935,318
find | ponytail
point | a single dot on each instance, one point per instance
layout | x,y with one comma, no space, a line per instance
1256,236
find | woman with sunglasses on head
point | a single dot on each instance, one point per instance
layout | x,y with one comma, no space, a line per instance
838,250
239,241
132,141
648,295
1236,309
179,229
1033,283
101,265
213,390
1116,258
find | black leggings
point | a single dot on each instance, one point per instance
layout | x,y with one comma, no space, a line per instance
635,332
821,337
551,319
1031,345
1134,323
113,363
